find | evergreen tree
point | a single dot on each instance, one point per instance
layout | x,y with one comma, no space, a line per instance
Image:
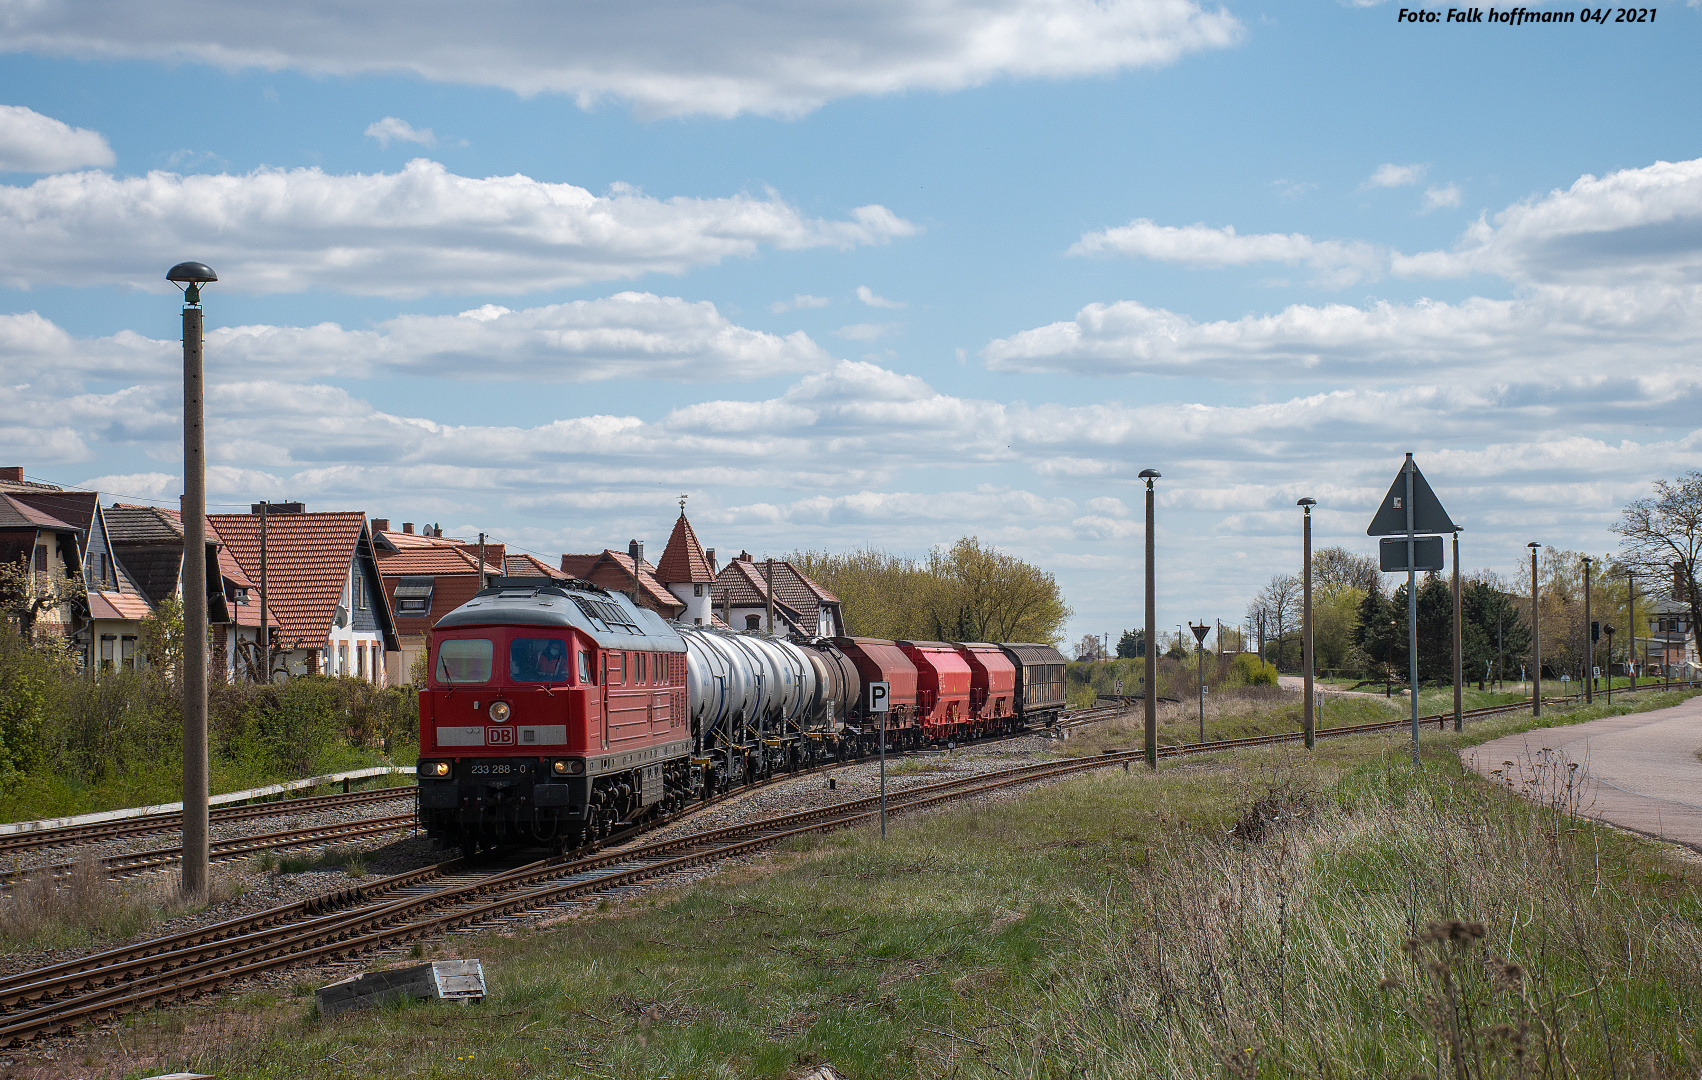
1131,645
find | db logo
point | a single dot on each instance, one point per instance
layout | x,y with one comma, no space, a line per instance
499,736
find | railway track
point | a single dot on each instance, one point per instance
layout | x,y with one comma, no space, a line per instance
457,895
102,831
131,863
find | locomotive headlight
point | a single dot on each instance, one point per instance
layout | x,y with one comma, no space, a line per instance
434,768
499,711
567,768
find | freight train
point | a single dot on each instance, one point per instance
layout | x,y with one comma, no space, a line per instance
556,711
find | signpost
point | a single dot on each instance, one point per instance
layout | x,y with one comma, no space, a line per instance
1200,633
1411,508
880,701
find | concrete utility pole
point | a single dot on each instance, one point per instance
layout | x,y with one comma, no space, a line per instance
769,572
1536,638
1590,640
1149,475
195,820
1459,659
265,636
1308,721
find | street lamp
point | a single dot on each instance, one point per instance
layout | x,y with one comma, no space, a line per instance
1307,718
1536,638
1149,475
191,276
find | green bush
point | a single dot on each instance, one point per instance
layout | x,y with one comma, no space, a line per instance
72,742
1248,670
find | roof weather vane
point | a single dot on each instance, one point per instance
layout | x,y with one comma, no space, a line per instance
683,499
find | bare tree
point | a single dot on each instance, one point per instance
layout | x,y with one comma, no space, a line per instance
27,594
1662,540
1335,569
1088,648
1277,608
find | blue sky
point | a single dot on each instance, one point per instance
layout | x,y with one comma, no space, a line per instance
865,273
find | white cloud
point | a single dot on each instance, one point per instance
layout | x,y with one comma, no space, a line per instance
31,142
1200,245
1444,197
1643,224
629,335
801,300
867,296
668,59
1552,329
867,331
1389,176
390,129
420,230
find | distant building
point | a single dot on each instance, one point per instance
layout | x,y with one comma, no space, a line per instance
801,606
323,587
426,576
613,570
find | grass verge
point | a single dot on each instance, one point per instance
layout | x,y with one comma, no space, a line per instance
1266,914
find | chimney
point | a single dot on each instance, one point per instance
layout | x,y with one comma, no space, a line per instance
408,527
714,567
635,551
437,530
744,556
380,524
14,473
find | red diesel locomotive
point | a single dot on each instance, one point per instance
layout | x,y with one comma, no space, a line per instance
556,711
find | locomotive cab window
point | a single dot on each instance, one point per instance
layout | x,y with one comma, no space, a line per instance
538,660
585,668
465,660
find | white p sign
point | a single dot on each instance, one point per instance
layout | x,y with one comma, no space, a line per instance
880,697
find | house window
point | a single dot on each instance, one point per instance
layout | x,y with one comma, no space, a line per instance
753,622
360,659
697,589
41,558
343,659
97,568
127,658
108,642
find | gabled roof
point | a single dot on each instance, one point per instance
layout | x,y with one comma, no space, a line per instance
14,482
530,566
434,561
744,583
683,560
129,524
613,570
307,563
74,508
15,513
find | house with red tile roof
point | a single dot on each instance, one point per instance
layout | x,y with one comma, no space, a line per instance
323,588
106,626
686,571
424,583
150,539
612,570
48,550
801,606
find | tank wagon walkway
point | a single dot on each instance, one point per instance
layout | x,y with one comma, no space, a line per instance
1640,772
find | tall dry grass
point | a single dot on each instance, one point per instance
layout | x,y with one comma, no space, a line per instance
87,907
1407,928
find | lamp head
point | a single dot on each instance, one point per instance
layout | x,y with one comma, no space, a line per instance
1150,474
1533,545
193,275
1307,503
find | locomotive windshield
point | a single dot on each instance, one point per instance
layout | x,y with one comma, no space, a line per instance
464,660
539,660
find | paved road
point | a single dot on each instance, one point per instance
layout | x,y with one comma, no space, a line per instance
1639,772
